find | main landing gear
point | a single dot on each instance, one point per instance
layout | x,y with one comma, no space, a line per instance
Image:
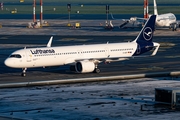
96,70
23,74
173,27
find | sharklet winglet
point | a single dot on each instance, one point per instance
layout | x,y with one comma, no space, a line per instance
50,41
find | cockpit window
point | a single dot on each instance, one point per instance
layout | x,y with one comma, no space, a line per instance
15,56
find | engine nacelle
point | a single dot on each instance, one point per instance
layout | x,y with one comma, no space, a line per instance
84,66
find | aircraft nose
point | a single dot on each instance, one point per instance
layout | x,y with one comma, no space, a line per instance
9,62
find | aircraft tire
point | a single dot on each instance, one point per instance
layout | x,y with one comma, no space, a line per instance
96,70
174,27
23,74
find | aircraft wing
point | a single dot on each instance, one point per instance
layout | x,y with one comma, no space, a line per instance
142,18
94,60
137,18
175,25
105,60
178,23
108,60
118,18
132,22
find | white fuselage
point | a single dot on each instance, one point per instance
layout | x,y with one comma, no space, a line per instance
55,56
165,20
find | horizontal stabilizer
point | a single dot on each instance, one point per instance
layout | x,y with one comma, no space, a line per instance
156,45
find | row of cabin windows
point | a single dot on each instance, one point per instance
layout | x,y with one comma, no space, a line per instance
71,53
93,51
54,54
122,49
83,52
19,56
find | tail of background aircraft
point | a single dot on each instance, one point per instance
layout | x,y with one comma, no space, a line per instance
155,8
146,33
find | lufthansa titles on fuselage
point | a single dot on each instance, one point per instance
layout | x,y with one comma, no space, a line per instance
39,51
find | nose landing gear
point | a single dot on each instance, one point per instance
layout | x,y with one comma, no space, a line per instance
23,74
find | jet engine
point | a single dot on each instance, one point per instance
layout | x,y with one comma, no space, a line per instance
84,66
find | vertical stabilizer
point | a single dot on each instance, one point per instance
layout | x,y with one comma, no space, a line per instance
155,8
146,33
145,37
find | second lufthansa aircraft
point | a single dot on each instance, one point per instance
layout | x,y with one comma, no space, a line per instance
84,58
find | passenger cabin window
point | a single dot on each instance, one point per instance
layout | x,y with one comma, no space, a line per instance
15,56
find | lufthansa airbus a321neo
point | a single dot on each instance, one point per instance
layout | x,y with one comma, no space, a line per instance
84,58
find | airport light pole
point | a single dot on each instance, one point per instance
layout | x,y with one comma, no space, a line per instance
34,11
41,13
107,11
69,10
145,8
1,5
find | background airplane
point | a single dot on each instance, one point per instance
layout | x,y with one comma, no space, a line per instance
133,22
167,20
84,58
